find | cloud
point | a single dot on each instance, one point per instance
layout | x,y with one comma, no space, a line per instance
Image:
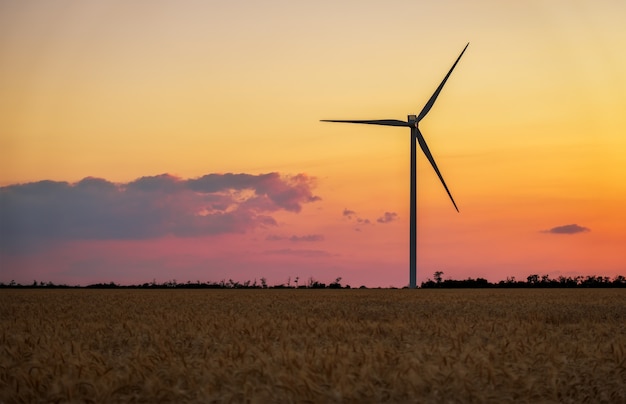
299,253
272,190
567,229
387,217
148,207
296,239
348,213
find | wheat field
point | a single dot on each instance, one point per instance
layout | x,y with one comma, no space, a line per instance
313,346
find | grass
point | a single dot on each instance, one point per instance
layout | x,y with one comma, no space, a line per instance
551,345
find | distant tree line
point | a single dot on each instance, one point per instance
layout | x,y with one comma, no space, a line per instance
171,284
532,281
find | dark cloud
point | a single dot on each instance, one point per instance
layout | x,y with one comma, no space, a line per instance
348,213
148,207
164,183
296,239
567,229
387,217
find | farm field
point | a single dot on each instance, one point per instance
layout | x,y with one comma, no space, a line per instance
520,345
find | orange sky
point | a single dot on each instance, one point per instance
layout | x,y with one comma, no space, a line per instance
529,132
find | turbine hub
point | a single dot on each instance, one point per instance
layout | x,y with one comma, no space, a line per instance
412,120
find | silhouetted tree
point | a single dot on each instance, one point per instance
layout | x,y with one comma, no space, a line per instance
533,279
336,284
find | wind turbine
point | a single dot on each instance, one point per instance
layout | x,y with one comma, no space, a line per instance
413,124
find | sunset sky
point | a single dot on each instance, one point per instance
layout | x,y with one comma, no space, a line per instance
162,140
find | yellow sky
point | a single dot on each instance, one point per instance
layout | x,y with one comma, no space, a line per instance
531,124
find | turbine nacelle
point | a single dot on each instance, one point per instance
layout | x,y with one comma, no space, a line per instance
412,119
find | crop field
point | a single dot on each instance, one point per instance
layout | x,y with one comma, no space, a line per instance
313,346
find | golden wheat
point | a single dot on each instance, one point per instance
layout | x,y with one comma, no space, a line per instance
313,345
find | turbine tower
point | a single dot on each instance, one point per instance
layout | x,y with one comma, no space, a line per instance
413,123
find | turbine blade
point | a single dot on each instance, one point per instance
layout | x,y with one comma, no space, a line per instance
384,122
433,98
429,156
